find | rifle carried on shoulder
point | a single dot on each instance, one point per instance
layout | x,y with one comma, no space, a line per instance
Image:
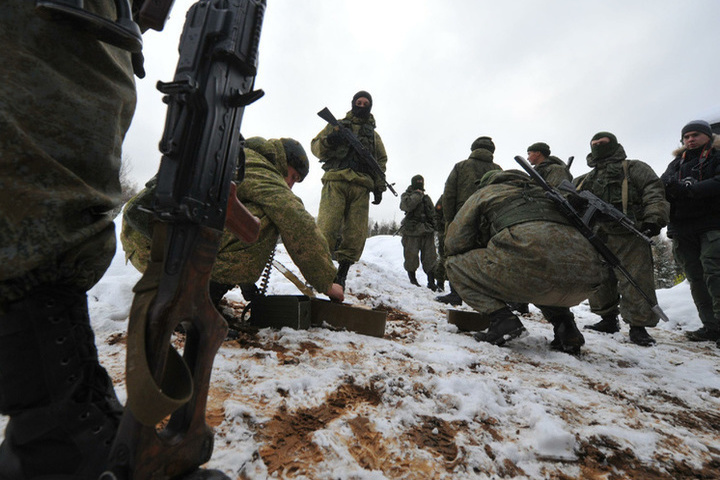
583,226
163,433
359,148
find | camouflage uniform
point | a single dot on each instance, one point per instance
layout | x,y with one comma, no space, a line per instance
440,275
282,214
508,243
347,183
460,184
554,171
645,205
418,231
66,101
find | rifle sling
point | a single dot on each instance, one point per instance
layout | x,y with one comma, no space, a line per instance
149,402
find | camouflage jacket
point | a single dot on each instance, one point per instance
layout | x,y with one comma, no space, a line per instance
342,163
419,213
554,171
460,184
508,199
282,214
645,202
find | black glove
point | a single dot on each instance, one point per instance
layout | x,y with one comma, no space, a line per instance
377,197
650,229
334,138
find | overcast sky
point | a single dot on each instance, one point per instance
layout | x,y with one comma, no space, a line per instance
442,73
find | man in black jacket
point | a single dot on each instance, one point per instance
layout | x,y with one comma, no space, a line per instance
692,185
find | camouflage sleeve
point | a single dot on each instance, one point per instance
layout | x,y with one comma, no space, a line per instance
302,238
555,174
409,200
468,230
449,196
381,158
656,208
319,146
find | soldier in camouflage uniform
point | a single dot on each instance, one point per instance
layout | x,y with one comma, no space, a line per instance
418,231
460,184
66,101
271,169
551,168
440,275
347,182
632,187
509,243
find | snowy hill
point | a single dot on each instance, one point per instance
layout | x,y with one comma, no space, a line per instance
427,401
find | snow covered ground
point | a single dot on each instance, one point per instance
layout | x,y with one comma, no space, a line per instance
427,401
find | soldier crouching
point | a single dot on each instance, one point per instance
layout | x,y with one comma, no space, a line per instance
509,243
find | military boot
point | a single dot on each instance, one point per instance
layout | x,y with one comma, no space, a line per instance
608,324
640,336
62,406
703,334
342,272
431,282
451,298
440,285
568,338
413,279
504,326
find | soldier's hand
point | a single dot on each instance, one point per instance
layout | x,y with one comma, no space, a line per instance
377,197
336,293
650,229
334,138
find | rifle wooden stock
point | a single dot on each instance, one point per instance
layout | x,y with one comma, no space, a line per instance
240,221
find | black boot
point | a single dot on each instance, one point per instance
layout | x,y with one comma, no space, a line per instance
568,338
451,298
343,268
521,308
440,285
703,334
504,326
61,402
413,279
640,336
608,324
431,282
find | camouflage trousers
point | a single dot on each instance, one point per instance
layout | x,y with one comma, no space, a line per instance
617,295
422,245
343,212
66,101
534,262
698,254
440,274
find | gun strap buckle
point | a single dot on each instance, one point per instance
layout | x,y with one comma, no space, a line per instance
123,32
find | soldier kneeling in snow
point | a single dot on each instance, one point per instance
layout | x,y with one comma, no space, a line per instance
509,243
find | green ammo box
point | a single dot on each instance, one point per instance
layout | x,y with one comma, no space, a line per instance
468,321
278,311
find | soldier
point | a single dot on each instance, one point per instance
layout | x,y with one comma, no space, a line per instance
272,167
551,168
460,184
347,183
66,101
509,243
418,231
692,185
554,171
632,187
440,275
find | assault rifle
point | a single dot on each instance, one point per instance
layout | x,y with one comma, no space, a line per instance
596,205
580,223
359,148
163,433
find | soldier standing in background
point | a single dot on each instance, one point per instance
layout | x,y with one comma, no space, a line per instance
66,101
460,184
551,168
418,231
347,183
632,187
272,167
509,243
692,185
440,275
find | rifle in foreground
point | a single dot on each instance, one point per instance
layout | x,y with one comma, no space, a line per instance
355,144
163,433
579,222
570,161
